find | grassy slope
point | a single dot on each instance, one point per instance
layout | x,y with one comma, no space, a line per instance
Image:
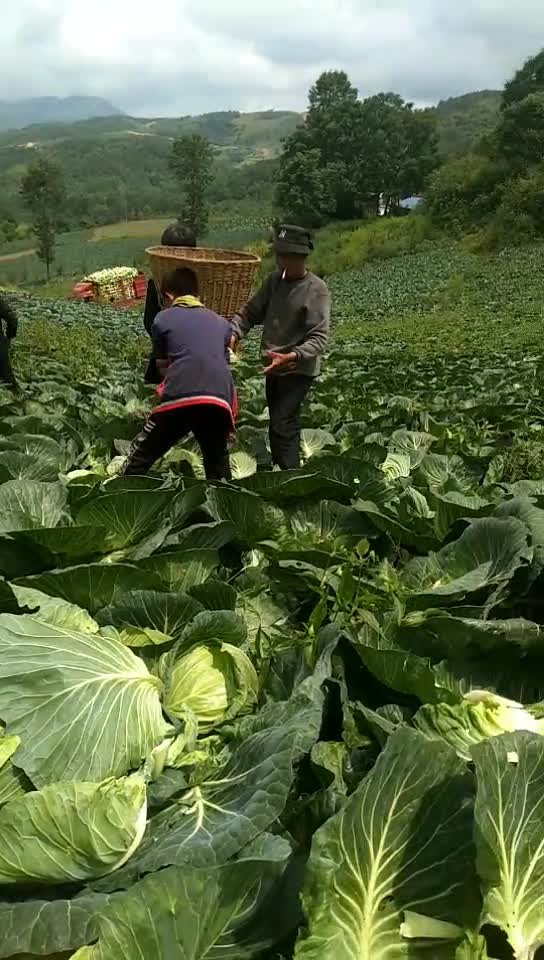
436,295
396,285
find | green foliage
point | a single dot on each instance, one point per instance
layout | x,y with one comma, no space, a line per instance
520,215
519,134
304,188
529,79
498,187
9,229
342,247
463,191
462,121
42,191
192,164
119,167
350,152
371,624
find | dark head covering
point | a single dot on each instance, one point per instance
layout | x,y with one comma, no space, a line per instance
178,235
291,239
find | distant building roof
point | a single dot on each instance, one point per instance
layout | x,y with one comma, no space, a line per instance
410,203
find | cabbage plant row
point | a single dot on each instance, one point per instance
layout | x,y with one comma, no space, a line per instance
298,715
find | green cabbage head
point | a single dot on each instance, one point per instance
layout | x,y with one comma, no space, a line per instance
480,715
73,831
215,681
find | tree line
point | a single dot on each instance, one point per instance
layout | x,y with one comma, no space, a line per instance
348,154
354,158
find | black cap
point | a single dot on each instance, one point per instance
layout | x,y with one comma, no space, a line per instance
292,239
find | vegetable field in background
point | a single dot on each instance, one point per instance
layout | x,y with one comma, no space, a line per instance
298,716
83,252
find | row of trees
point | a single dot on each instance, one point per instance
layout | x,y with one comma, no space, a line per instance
499,185
43,191
347,155
347,158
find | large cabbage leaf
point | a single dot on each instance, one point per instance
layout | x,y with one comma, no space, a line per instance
251,518
149,617
403,842
92,585
127,516
211,821
55,610
509,815
488,553
61,691
181,570
47,928
192,914
25,504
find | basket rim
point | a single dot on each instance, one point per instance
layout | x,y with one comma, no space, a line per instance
232,257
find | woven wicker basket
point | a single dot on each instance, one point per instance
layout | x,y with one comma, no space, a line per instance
117,291
225,277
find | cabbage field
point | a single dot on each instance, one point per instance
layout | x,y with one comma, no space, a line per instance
298,715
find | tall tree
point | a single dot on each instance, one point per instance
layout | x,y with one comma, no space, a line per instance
354,151
519,137
43,192
9,228
399,148
303,190
192,163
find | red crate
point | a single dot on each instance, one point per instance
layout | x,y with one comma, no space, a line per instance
140,286
83,291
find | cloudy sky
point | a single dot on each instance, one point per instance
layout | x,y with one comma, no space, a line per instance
176,57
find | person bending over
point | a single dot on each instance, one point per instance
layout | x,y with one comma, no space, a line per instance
176,235
190,344
8,330
293,306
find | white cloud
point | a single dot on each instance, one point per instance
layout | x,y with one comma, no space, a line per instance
185,56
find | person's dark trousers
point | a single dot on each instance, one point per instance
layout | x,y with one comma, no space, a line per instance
6,370
210,426
285,396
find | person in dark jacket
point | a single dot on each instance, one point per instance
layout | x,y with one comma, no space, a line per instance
8,330
176,235
190,346
293,307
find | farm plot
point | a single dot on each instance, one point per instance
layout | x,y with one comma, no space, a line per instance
296,715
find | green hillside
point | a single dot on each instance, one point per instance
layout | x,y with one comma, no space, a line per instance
117,167
463,120
249,131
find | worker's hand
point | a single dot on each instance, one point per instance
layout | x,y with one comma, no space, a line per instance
278,360
162,367
234,343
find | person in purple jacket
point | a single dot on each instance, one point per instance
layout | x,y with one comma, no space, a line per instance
190,344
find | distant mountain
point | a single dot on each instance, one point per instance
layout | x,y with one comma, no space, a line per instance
15,114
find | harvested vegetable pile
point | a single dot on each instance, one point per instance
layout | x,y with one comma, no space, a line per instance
111,275
298,715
